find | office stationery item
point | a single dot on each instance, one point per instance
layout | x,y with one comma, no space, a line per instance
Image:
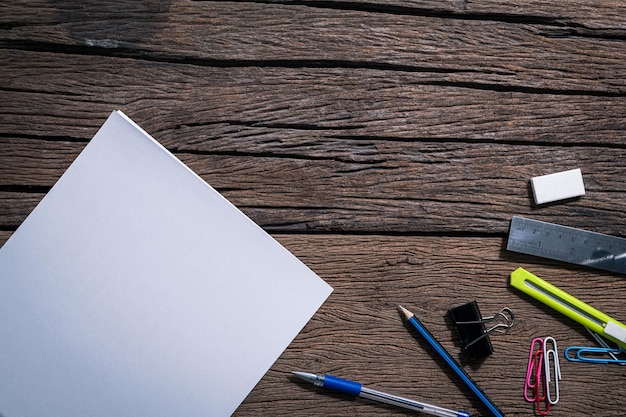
470,327
600,341
567,244
129,291
594,355
358,390
552,369
572,307
540,386
453,364
543,373
558,186
534,369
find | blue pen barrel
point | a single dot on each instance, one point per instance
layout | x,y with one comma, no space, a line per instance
342,385
354,388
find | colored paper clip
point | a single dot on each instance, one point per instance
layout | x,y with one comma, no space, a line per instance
533,371
470,327
551,363
543,374
594,354
541,391
603,343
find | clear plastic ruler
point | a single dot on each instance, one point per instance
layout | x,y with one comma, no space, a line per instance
567,244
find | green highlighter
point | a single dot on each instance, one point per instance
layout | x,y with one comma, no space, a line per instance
571,306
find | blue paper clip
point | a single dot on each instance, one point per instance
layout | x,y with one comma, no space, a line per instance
593,355
603,343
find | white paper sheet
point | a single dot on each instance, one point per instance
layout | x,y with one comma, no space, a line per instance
135,289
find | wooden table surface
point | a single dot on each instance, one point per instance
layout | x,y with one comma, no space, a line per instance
386,143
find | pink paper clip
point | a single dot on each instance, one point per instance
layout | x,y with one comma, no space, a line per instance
542,371
541,391
533,371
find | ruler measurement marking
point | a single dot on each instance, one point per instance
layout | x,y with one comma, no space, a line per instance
563,243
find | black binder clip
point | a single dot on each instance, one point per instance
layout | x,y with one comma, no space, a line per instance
470,327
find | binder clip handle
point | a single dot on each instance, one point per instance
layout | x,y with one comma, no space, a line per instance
470,326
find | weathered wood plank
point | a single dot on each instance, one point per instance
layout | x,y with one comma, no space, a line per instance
15,206
585,16
45,92
532,55
371,120
363,185
4,236
358,333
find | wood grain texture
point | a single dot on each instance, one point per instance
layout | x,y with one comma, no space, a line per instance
386,143
380,186
358,333
372,274
484,52
344,102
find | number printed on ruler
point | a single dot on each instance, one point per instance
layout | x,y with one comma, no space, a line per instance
567,244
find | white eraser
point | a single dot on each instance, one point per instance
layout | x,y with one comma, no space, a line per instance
558,186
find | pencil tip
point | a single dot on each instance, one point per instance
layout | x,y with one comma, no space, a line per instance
404,311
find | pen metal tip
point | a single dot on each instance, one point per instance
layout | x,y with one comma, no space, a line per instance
307,376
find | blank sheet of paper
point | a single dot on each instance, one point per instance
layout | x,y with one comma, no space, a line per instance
135,289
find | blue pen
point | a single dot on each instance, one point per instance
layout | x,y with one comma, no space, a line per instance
358,390
451,362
